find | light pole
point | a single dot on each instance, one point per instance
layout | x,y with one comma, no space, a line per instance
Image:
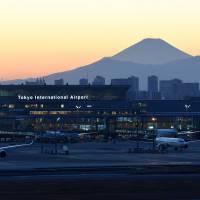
78,107
137,149
153,119
187,107
55,145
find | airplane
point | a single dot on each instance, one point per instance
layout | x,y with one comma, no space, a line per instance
58,135
3,149
163,143
166,138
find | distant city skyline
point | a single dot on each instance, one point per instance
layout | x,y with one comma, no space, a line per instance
43,37
156,88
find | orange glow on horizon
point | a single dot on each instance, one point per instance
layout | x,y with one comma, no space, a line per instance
42,37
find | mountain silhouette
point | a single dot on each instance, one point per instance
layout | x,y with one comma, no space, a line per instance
151,51
178,65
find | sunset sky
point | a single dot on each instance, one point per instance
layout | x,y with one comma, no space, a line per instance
39,37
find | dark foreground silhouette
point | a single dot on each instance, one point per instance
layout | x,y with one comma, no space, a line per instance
101,186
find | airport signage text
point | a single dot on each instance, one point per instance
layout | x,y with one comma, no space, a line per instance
53,97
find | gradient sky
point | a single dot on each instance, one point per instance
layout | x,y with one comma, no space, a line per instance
39,37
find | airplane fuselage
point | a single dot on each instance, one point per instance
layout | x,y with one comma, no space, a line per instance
163,143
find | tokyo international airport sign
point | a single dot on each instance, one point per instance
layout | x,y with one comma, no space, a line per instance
52,97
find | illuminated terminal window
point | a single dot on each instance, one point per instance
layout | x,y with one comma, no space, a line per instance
38,112
83,112
89,106
11,106
59,112
4,105
114,112
105,113
31,105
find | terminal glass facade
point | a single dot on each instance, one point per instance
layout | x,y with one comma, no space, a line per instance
91,109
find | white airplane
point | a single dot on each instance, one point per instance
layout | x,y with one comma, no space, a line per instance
4,149
163,143
166,138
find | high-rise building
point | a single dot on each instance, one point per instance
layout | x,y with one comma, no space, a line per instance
171,89
190,89
38,81
152,84
83,81
120,81
99,80
152,87
176,89
132,81
134,87
59,82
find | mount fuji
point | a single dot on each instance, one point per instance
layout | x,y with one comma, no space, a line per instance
147,57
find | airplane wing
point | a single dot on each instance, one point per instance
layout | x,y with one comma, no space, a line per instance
189,141
193,141
15,146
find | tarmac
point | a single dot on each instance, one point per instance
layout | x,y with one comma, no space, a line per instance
95,154
95,170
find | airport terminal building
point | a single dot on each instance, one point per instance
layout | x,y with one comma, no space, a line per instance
96,109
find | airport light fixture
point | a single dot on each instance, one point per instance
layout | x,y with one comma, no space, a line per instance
187,107
154,120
